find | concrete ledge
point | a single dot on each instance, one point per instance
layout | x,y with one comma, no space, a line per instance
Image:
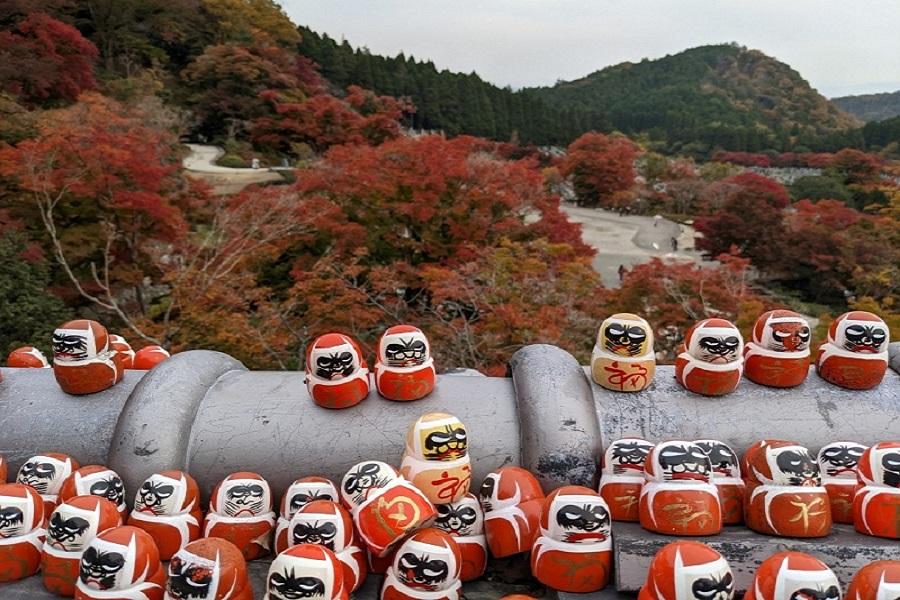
844,550
560,438
154,426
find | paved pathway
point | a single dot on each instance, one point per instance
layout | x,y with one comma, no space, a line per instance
629,240
224,180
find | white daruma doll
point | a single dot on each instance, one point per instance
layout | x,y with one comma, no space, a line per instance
623,359
436,458
240,511
855,356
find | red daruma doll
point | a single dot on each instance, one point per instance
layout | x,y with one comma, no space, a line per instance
678,498
46,474
148,357
876,505
426,567
83,362
306,571
573,552
27,357
21,531
405,369
121,563
329,524
726,476
622,477
208,569
856,355
686,570
240,511
124,351
167,506
791,576
464,520
95,480
837,464
879,580
336,372
71,528
512,500
300,493
710,360
778,355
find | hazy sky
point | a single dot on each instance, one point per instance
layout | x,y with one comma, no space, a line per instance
839,46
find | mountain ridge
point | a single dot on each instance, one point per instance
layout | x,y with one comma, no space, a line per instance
871,107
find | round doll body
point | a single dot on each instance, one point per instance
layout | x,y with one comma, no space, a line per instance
122,564
22,531
124,351
405,369
300,493
306,571
623,359
879,580
793,575
710,360
464,520
385,507
167,506
778,355
208,569
855,356
83,362
726,476
27,357
837,466
876,503
687,570
336,372
46,474
622,477
436,458
426,567
71,527
328,524
148,357
240,511
678,498
95,480
573,552
784,494
512,500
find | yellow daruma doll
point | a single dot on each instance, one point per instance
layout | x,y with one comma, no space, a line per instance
623,358
436,458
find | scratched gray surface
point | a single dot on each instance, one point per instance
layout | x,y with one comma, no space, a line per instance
813,414
37,416
266,422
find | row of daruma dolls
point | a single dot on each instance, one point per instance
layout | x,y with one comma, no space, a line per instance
690,570
86,358
694,488
713,356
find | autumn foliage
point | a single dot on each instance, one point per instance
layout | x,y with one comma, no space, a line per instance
600,166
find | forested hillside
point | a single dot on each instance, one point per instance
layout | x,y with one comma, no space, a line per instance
871,107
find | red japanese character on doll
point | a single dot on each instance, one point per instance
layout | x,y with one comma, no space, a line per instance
678,497
167,506
793,576
46,474
879,580
83,362
710,359
512,500
687,570
436,458
426,567
385,507
336,372
71,527
622,477
121,563
124,351
240,511
300,493
95,480
876,504
785,496
855,356
21,531
27,357
306,571
208,569
464,520
778,355
148,357
573,552
328,524
837,465
623,359
404,370
726,476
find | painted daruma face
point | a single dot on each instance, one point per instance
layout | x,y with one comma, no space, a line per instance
14,516
44,473
866,338
625,338
839,460
160,495
628,456
245,498
722,458
462,518
795,467
301,493
191,577
335,363
718,348
681,461
405,350
364,477
443,440
579,519
102,565
71,528
789,337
